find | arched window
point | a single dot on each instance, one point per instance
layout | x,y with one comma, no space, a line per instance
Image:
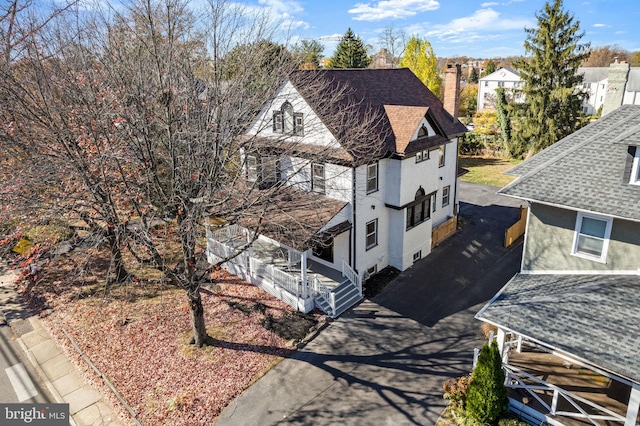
423,131
285,120
419,210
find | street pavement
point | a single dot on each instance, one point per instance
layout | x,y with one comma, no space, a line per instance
384,362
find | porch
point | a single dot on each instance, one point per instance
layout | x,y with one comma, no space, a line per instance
286,273
547,388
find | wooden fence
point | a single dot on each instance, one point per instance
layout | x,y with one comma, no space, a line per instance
516,230
443,231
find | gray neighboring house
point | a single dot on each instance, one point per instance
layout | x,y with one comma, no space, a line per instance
578,293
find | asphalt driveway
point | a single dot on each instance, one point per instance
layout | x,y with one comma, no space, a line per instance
384,362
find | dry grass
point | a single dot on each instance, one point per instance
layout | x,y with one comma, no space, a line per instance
487,171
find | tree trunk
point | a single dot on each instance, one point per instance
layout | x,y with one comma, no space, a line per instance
200,337
118,271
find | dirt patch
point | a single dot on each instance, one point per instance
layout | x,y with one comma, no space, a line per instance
291,326
377,282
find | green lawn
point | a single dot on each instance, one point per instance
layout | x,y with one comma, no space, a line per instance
488,171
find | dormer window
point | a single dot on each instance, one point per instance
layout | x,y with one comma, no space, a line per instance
285,120
635,169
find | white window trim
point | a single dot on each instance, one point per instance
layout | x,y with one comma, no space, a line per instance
607,233
446,194
374,234
635,170
372,177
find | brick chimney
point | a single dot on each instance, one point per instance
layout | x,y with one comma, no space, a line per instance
452,89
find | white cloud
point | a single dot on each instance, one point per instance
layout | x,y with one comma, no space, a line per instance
482,20
391,9
489,4
599,25
282,6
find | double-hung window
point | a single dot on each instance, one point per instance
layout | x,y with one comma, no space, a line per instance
372,178
372,234
442,151
252,167
445,195
591,238
317,178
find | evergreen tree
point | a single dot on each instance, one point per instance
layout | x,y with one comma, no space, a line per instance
502,115
553,105
350,53
420,58
487,397
473,76
307,54
489,68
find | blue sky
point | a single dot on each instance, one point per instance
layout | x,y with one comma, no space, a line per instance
454,27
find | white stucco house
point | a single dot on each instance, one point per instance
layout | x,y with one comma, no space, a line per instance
367,164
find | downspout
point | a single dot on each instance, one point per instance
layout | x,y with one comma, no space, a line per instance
353,244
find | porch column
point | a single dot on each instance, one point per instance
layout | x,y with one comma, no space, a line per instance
500,341
634,405
303,273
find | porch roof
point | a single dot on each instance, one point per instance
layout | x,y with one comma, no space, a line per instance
592,317
293,217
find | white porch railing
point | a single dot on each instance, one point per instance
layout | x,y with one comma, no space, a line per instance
276,276
351,275
319,289
518,379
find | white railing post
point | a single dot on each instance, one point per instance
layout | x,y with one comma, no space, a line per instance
332,300
476,354
554,402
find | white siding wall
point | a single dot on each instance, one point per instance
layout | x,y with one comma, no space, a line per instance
487,86
315,132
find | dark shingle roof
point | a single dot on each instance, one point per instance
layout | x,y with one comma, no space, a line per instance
592,317
371,90
585,170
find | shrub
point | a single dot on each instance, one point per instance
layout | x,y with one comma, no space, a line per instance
487,398
455,390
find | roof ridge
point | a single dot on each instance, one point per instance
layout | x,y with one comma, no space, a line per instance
558,157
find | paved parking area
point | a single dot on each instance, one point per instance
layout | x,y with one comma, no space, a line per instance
384,362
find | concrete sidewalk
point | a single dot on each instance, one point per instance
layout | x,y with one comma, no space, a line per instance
86,405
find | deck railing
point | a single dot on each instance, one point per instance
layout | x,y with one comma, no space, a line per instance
518,379
277,277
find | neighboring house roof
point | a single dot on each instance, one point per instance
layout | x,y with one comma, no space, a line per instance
294,217
585,170
373,91
593,74
560,311
498,74
633,85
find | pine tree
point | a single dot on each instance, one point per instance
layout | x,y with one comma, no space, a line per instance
553,105
502,115
489,68
420,58
473,76
350,53
487,397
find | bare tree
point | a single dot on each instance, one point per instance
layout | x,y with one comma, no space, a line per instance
131,120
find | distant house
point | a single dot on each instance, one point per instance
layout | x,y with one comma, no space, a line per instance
575,303
363,207
487,85
595,85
